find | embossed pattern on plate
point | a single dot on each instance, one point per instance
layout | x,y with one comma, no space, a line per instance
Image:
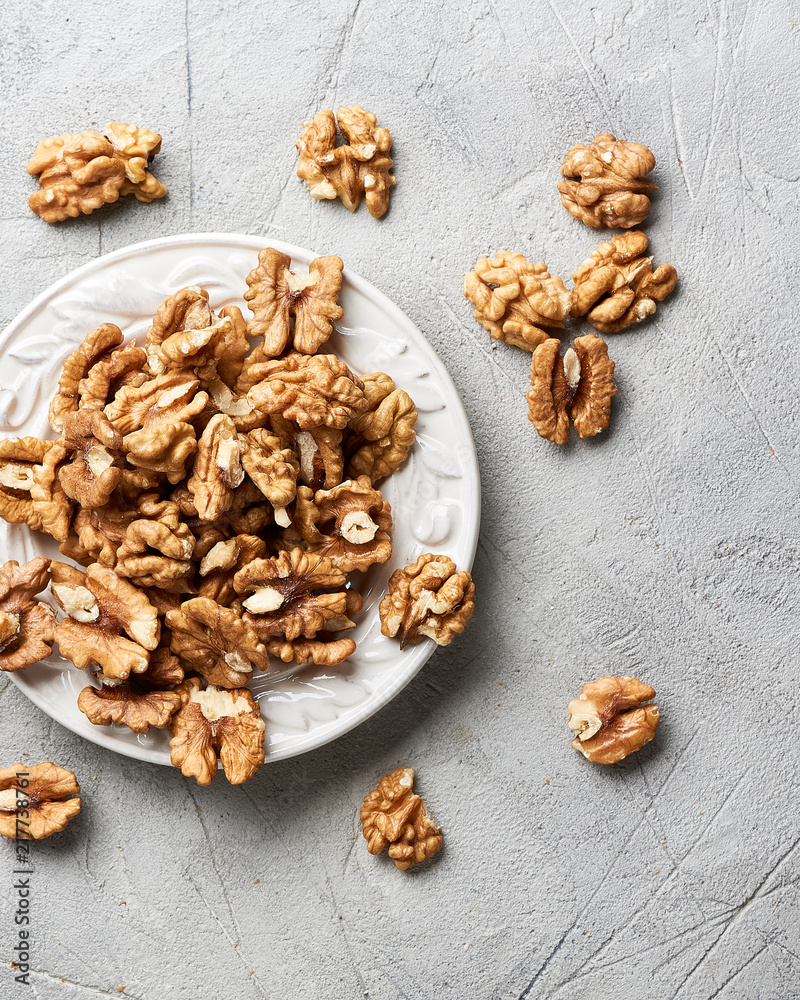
435,497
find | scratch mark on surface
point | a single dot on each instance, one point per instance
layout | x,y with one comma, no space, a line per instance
589,76
94,990
344,41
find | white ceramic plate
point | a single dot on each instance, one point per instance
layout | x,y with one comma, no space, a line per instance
435,497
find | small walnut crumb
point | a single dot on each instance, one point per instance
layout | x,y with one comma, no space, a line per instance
427,599
394,815
360,166
612,190
515,299
42,806
580,385
611,719
617,286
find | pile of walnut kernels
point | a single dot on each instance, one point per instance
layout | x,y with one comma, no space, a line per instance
217,496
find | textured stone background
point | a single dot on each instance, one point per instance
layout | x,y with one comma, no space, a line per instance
666,548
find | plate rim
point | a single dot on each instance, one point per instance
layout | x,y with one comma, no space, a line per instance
333,729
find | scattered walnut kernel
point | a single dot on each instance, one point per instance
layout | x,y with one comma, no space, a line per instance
381,438
351,524
80,173
100,606
37,800
27,626
293,594
611,719
214,642
96,446
30,490
276,294
217,468
214,720
617,286
393,814
514,299
141,700
612,190
579,385
427,599
311,390
360,166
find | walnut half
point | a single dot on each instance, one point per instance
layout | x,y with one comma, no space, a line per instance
427,599
613,189
211,720
580,385
611,718
37,800
393,814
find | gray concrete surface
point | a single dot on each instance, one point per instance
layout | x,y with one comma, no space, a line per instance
666,548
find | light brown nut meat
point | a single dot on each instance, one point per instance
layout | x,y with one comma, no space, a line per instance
579,385
516,301
351,524
97,346
217,468
318,451
393,814
158,547
379,440
136,149
360,166
155,419
611,719
293,594
325,652
77,174
613,189
311,390
122,366
30,491
427,599
215,642
617,286
100,606
214,720
94,473
37,800
27,626
220,563
141,701
186,309
273,468
224,400
276,294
